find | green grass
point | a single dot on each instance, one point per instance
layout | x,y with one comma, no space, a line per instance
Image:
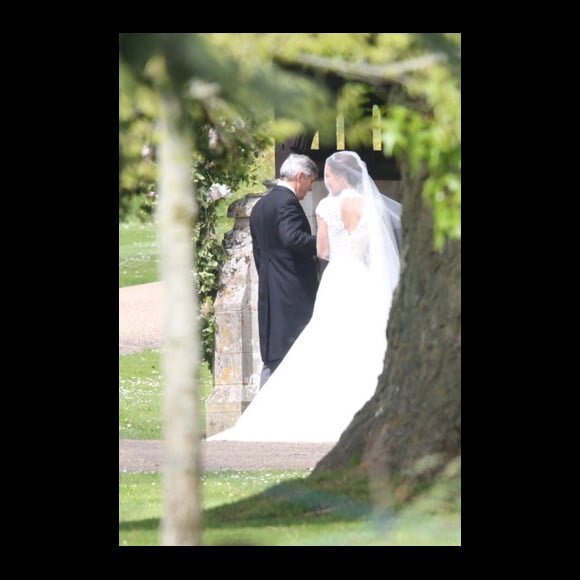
140,394
139,249
140,501
264,508
286,508
268,508
138,254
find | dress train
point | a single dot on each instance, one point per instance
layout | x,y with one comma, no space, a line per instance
330,371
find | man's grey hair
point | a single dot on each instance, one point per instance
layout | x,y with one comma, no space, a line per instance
294,164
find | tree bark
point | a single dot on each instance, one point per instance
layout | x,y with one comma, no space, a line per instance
176,210
411,428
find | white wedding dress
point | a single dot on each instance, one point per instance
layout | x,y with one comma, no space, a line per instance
332,368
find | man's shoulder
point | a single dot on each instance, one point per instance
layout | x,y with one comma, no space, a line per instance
257,207
277,194
260,206
280,189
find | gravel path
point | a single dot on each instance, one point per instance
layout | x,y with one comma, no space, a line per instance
146,456
140,328
140,317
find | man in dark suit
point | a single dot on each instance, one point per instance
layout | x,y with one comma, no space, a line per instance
284,251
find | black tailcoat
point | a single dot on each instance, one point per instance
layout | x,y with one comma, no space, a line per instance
285,256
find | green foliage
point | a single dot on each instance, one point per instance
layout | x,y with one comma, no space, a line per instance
419,75
231,84
229,148
210,255
227,156
232,68
430,137
139,247
138,107
429,146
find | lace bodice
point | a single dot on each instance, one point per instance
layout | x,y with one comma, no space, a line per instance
342,243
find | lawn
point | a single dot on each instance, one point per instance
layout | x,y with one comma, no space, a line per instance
138,254
263,508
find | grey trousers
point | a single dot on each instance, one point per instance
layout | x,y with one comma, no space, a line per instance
267,369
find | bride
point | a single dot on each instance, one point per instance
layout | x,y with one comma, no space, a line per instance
332,368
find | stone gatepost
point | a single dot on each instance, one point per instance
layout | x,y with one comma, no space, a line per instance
237,362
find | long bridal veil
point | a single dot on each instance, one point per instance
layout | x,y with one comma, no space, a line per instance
383,255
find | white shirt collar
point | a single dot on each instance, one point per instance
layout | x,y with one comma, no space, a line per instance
285,184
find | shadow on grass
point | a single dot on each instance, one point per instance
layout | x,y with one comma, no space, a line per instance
149,525
325,509
321,499
299,504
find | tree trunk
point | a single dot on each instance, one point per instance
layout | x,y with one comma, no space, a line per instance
181,521
411,427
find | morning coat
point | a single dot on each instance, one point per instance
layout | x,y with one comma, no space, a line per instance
284,252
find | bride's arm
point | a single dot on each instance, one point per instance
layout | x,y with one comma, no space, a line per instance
322,239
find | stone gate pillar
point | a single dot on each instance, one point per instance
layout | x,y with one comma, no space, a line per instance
237,362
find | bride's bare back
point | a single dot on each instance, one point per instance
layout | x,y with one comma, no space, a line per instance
351,209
